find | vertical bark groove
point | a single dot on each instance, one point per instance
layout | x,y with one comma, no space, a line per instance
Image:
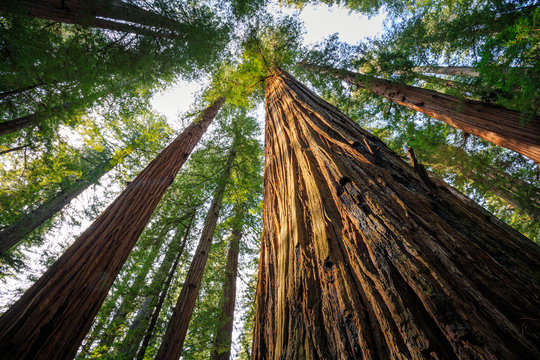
51,319
360,259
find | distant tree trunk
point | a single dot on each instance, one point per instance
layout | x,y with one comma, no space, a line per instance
26,223
448,70
10,126
516,192
52,317
492,123
159,288
127,304
173,340
223,339
8,93
97,13
361,258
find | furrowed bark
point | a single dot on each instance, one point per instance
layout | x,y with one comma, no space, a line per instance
492,123
361,259
173,340
52,317
223,339
25,224
164,291
96,13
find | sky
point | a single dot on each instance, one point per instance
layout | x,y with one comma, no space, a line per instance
320,22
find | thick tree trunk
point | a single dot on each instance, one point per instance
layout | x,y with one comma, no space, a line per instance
495,124
52,317
223,340
25,224
97,13
173,340
363,259
10,126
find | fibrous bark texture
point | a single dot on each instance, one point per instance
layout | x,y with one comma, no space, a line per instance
492,123
51,319
362,259
25,224
173,340
223,339
98,13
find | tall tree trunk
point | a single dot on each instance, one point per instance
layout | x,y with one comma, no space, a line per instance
10,126
52,317
158,292
223,340
25,224
127,304
516,192
8,93
363,259
96,13
448,70
173,340
495,124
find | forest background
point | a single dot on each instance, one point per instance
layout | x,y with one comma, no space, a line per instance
88,96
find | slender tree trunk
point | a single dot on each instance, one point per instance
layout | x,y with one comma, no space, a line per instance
159,288
127,305
363,259
448,70
8,93
516,192
495,124
97,13
10,126
173,340
223,339
52,317
26,223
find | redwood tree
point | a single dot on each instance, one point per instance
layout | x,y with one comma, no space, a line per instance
106,14
364,256
223,339
51,319
173,340
495,124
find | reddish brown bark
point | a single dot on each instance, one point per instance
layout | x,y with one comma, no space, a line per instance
362,259
52,317
98,13
495,124
173,340
223,339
